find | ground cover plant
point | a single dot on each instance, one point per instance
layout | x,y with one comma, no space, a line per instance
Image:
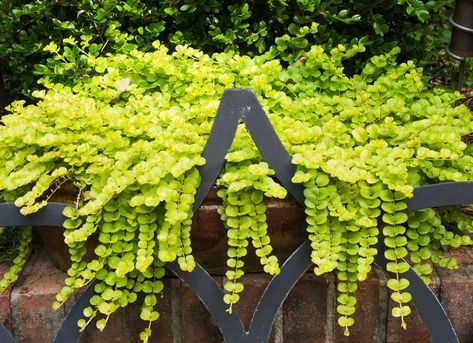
130,137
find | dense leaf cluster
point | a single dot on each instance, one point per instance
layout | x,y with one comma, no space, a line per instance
130,138
84,27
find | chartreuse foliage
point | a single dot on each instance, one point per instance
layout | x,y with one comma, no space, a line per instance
244,184
131,138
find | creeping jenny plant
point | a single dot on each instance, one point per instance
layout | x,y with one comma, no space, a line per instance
130,137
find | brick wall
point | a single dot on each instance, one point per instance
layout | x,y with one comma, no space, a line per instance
308,315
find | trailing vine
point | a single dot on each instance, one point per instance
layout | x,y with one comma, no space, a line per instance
22,250
132,136
244,214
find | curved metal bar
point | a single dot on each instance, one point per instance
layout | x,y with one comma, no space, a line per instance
220,139
455,56
242,103
277,291
459,26
239,104
5,335
50,215
236,104
69,331
441,194
427,304
271,148
211,295
429,308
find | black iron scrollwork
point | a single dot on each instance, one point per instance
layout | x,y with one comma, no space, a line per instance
236,105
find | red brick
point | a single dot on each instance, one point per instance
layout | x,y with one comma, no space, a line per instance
5,314
33,318
369,314
305,311
113,332
255,285
208,236
456,294
416,331
162,328
197,325
286,227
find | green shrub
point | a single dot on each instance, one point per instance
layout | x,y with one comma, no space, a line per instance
131,137
99,27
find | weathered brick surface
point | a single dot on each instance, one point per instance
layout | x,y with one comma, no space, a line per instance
114,332
163,327
196,323
416,331
456,294
305,311
5,314
33,318
308,314
286,227
370,311
255,284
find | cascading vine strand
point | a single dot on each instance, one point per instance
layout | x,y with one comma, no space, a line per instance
130,135
22,249
243,187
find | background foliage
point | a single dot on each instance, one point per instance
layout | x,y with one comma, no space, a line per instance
419,28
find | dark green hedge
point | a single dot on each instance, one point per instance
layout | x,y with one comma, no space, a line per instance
249,27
